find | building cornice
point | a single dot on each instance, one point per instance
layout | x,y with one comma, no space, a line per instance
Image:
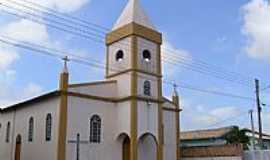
133,29
134,70
171,109
92,83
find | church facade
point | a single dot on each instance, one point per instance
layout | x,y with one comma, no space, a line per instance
124,117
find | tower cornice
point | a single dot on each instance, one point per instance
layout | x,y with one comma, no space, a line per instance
134,29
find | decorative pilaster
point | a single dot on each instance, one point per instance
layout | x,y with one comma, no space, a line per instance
62,126
175,99
134,103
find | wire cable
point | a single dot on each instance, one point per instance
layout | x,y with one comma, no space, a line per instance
178,57
45,51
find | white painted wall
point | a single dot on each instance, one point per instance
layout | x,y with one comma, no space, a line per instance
123,85
147,118
79,113
116,66
144,44
123,118
6,149
257,155
104,90
39,148
169,135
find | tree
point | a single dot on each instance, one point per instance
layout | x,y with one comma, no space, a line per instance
237,136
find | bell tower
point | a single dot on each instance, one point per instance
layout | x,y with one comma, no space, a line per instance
134,60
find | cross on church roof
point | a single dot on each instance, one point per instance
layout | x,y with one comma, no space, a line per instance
66,60
133,12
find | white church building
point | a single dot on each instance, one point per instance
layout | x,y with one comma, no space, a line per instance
124,117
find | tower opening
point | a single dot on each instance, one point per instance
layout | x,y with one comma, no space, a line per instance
119,56
146,55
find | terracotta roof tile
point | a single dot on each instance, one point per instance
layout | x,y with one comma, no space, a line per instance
205,134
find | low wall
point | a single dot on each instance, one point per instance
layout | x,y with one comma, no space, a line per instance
214,158
224,152
257,155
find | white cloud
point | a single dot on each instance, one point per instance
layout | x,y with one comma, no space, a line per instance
65,6
10,95
225,111
25,30
7,57
21,30
256,16
31,90
202,117
172,55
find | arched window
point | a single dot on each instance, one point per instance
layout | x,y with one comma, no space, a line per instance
119,56
8,132
48,127
31,129
95,129
147,88
146,55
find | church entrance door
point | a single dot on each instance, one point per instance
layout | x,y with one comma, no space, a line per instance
147,147
126,148
18,147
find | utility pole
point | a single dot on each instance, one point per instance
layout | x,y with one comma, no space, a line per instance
259,109
253,130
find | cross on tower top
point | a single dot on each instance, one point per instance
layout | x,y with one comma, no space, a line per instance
66,60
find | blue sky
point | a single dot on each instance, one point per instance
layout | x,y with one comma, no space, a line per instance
233,35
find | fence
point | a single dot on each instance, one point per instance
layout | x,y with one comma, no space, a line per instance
224,152
257,155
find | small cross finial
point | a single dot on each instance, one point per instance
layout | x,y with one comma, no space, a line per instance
66,60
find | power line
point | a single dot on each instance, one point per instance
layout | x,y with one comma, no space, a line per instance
45,51
86,24
189,87
231,79
207,65
265,88
228,119
205,72
199,67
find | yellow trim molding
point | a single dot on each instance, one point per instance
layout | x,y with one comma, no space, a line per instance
133,29
112,99
134,70
107,61
160,111
171,109
177,125
62,126
91,84
133,109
